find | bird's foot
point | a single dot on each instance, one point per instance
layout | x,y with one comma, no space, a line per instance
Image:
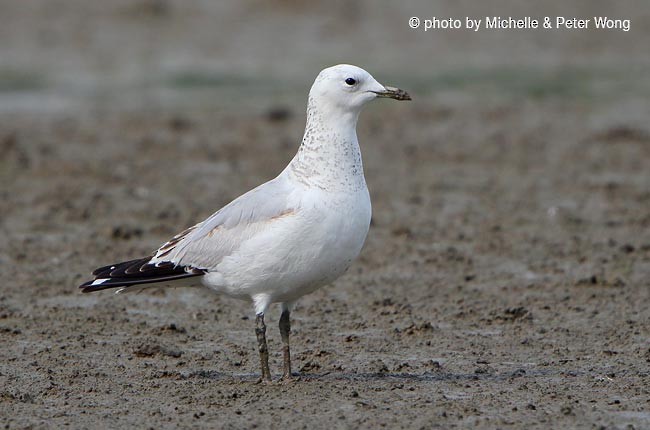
264,380
288,378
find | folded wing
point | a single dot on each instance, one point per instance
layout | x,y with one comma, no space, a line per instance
200,248
204,245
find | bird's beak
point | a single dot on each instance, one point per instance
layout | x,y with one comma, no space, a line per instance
393,93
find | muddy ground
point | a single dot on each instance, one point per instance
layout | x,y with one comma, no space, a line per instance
505,282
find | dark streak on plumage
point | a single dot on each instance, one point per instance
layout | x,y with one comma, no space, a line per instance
167,247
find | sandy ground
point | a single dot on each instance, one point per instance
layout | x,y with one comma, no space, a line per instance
505,282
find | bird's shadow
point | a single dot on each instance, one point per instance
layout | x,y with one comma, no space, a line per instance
439,376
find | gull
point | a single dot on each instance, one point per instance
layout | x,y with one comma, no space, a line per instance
289,236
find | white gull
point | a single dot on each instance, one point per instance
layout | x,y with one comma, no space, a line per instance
287,237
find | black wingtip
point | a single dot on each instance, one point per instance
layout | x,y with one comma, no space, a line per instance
88,287
136,272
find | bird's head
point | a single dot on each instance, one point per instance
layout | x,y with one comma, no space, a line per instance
350,87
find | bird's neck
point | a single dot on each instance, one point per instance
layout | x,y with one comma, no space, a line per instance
329,156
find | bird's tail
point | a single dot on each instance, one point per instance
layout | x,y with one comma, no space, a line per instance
137,272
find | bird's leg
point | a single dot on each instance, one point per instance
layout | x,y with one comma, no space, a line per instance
285,329
260,331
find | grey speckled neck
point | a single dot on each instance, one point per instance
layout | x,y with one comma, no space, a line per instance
329,156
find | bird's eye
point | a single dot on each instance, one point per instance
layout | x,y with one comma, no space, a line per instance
350,81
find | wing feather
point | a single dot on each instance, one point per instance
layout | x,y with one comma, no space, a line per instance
204,245
136,272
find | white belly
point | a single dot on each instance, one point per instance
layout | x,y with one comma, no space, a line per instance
297,254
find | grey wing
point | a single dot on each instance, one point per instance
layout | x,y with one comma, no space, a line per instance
204,245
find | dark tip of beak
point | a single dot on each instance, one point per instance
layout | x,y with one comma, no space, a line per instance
393,93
